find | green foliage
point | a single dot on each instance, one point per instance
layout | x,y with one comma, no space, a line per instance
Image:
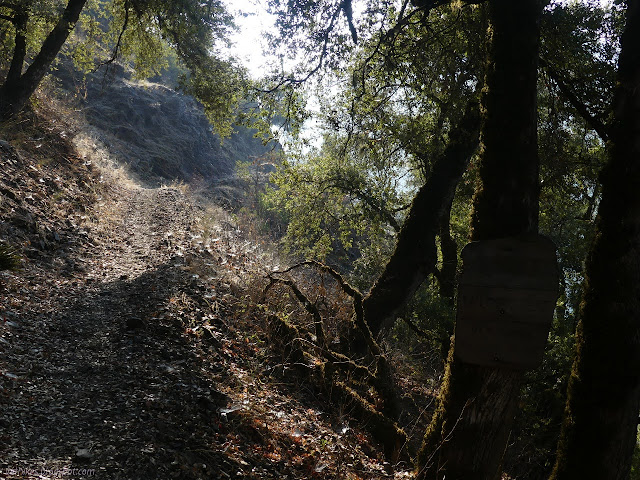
277,113
43,15
261,220
542,403
571,156
150,36
341,204
581,41
404,87
434,316
219,86
385,118
110,30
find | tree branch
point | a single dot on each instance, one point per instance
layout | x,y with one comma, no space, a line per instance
348,12
595,123
308,305
386,215
415,254
118,45
323,54
16,91
20,48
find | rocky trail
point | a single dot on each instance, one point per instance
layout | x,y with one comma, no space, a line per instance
98,375
126,350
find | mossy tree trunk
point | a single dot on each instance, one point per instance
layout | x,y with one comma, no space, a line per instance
415,255
601,417
18,86
469,432
449,248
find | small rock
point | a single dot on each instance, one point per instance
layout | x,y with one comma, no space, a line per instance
83,455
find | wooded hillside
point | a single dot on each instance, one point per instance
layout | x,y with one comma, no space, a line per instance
433,275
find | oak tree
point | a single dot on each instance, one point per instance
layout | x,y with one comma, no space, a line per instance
34,33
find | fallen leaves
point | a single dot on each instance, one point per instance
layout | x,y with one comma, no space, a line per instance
189,392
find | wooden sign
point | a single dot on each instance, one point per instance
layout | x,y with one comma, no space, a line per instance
507,294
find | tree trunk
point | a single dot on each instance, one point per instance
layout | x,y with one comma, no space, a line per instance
599,431
20,47
449,249
415,257
17,89
470,430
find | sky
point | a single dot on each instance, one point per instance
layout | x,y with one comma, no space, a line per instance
249,47
248,44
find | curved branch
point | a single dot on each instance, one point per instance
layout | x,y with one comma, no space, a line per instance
323,54
308,305
346,287
20,48
415,254
598,125
118,45
369,200
348,12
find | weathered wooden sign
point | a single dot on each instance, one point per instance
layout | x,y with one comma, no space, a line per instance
507,293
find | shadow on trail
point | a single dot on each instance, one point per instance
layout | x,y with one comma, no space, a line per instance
115,386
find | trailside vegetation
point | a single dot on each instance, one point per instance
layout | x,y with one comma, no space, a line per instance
496,120
32,34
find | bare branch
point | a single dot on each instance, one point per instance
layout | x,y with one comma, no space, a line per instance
308,306
358,318
346,287
348,12
323,54
118,45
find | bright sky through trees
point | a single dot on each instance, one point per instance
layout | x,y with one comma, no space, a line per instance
248,44
252,18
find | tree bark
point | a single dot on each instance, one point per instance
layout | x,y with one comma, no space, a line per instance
469,432
20,46
449,249
17,89
415,256
599,430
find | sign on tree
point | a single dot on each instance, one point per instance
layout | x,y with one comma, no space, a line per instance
507,294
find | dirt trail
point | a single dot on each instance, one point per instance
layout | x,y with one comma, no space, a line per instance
127,352
142,229
129,346
100,379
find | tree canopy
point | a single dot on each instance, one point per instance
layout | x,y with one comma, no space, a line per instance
143,33
438,124
397,81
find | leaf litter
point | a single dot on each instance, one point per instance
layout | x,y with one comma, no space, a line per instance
124,350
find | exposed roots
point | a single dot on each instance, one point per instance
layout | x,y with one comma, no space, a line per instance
308,350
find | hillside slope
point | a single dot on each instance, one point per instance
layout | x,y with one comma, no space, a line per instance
160,134
127,351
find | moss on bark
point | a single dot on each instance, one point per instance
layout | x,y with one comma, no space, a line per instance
469,432
599,430
294,344
415,255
